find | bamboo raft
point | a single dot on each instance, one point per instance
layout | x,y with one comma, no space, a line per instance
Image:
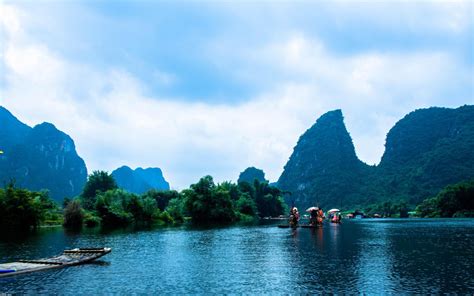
67,258
299,226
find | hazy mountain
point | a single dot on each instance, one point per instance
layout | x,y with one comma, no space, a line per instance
250,174
140,180
425,151
38,158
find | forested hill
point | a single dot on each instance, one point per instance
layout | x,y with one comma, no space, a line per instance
323,168
251,174
38,158
425,151
140,180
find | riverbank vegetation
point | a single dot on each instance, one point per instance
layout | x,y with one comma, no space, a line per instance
205,202
21,209
388,209
453,201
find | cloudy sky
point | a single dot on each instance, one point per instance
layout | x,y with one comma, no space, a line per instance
213,87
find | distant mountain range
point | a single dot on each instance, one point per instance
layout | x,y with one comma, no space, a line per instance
44,157
425,151
140,180
38,158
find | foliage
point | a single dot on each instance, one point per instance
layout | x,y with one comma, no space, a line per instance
73,215
453,201
162,197
111,207
21,209
246,205
91,219
118,207
97,182
176,208
388,209
208,203
268,199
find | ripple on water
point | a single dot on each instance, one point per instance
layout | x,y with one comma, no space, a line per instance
373,256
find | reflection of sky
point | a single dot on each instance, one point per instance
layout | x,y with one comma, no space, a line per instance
368,256
374,268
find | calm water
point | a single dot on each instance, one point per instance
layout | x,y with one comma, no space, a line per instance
374,256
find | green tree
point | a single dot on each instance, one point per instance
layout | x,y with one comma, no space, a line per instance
162,197
19,209
176,208
98,182
208,204
246,205
453,201
73,215
110,206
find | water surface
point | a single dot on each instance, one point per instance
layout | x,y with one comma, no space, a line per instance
373,256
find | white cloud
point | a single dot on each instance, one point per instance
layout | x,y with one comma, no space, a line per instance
113,122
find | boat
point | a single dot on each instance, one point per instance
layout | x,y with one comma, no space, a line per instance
67,258
301,225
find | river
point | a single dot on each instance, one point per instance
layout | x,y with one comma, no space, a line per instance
370,255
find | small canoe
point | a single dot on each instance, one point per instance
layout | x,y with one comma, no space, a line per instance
67,258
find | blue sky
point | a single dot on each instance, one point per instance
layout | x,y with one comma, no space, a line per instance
212,87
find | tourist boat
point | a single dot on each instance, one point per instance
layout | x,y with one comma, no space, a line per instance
301,225
67,258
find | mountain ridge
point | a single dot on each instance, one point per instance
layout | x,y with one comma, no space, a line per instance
419,160
41,157
140,180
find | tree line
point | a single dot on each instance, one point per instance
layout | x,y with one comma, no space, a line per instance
103,203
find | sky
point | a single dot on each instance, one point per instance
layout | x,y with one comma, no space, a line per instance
213,87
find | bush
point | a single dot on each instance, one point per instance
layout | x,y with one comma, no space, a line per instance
73,215
453,201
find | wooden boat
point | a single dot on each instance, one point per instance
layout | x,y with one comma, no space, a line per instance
67,258
301,225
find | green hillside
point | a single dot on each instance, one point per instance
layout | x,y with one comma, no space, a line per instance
425,151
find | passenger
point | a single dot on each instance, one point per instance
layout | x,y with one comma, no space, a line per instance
294,216
314,217
297,214
321,213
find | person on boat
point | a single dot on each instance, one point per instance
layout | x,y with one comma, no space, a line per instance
313,219
294,216
320,216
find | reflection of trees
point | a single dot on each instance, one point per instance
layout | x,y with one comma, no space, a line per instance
324,259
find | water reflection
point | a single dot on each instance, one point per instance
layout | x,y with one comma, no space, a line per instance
375,275
369,256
